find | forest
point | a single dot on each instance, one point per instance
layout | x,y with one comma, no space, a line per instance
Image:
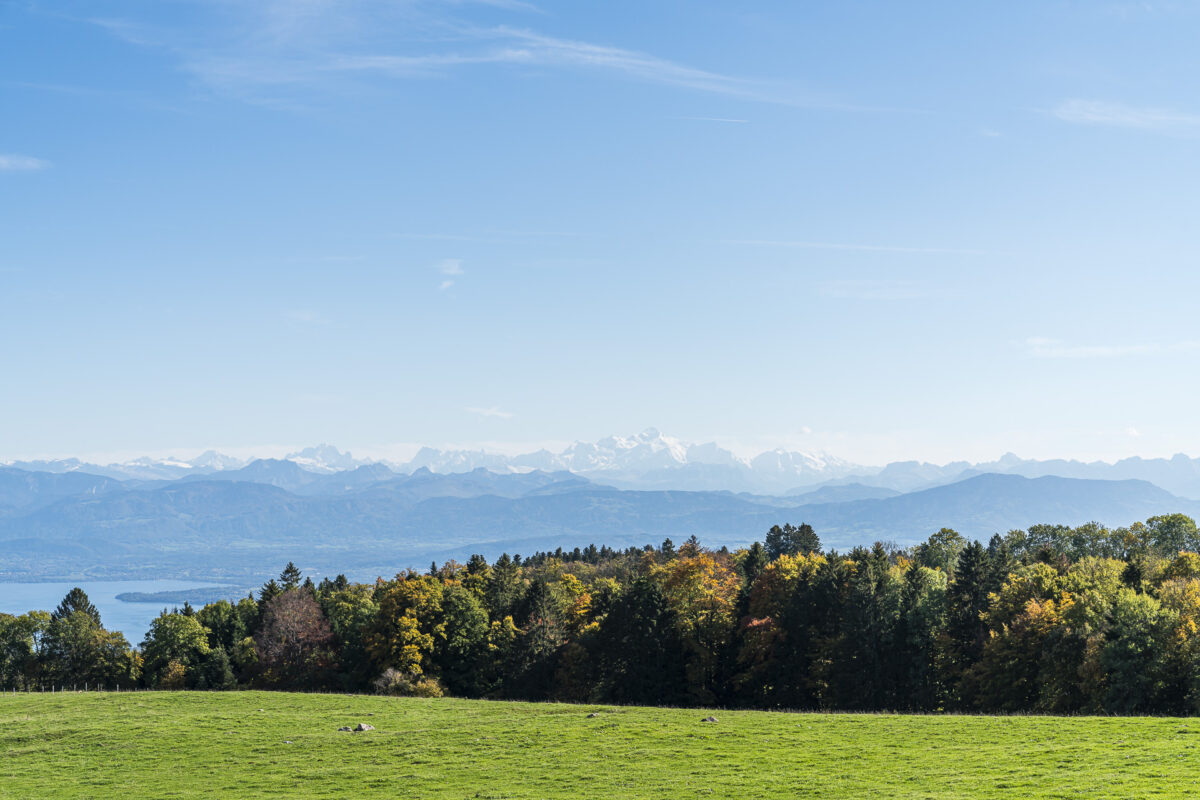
1051,619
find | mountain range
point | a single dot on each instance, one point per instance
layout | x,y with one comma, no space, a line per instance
243,524
652,460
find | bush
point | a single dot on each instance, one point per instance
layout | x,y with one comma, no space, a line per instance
407,684
174,676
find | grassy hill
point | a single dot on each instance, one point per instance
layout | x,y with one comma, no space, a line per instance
257,744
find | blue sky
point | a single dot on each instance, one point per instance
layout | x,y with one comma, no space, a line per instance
920,230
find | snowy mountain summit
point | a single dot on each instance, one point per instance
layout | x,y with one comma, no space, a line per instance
325,458
647,460
651,460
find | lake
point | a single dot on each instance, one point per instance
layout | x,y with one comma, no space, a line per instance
131,619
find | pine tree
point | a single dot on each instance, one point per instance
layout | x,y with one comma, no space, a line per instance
752,565
791,540
290,577
270,590
503,588
966,602
215,672
641,654
76,600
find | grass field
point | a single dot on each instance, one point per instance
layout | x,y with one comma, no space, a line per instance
259,744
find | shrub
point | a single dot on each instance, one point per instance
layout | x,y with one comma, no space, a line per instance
406,684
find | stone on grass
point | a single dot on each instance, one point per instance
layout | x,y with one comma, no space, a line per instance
592,715
345,728
709,719
362,726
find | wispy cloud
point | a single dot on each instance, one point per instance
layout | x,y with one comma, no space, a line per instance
1040,347
268,50
451,267
1117,115
868,248
15,163
642,66
492,412
490,46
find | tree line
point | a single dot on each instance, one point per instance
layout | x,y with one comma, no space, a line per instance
1050,619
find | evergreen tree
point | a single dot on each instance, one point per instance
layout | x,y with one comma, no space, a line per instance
503,589
866,679
791,540
638,646
922,620
290,577
76,600
753,563
215,672
270,590
223,623
531,664
967,602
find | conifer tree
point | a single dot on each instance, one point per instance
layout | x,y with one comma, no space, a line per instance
76,600
290,577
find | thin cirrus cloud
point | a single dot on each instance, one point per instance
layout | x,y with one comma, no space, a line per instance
502,46
1040,347
452,268
1118,115
258,50
17,163
492,413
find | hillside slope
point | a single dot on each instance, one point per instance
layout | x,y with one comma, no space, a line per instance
259,745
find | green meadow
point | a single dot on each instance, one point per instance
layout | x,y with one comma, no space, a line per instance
268,744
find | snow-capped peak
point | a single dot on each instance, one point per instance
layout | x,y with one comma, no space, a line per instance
212,460
324,458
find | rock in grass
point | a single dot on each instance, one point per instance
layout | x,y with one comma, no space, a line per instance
709,719
345,728
592,715
362,726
